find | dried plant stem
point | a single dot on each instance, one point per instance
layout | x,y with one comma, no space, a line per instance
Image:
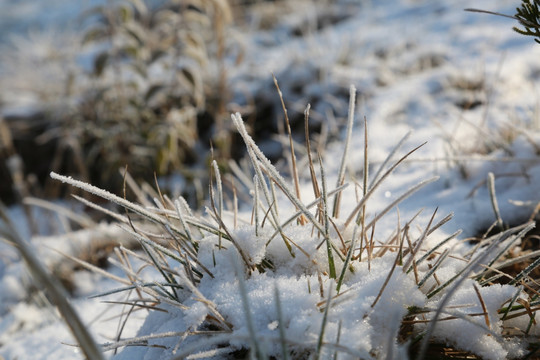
343,165
363,236
314,182
493,198
219,193
388,158
483,304
302,220
256,204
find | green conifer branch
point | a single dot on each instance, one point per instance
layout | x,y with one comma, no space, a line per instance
529,17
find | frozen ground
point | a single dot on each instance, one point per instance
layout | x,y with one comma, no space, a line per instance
463,82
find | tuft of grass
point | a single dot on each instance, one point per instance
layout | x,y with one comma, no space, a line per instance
173,244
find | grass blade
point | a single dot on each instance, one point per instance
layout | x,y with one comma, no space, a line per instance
281,326
323,325
457,281
291,145
54,289
493,198
431,251
331,265
389,157
343,164
376,185
259,352
408,193
525,272
271,170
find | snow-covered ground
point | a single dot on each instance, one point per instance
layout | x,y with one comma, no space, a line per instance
463,83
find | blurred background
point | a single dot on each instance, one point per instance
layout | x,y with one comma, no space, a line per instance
93,88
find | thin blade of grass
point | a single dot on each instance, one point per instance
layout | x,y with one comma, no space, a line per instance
255,345
335,357
525,272
219,186
189,235
483,304
131,287
376,185
362,214
101,209
281,326
343,164
436,247
389,275
503,251
420,241
408,193
521,20
291,145
53,287
389,157
331,265
518,259
323,325
138,209
314,182
83,220
431,271
256,204
346,264
493,198
280,181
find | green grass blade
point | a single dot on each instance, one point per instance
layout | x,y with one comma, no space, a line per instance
434,249
323,325
329,251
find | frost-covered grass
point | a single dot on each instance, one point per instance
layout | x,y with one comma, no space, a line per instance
291,278
356,254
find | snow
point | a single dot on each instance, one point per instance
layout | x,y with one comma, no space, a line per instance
416,64
461,332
